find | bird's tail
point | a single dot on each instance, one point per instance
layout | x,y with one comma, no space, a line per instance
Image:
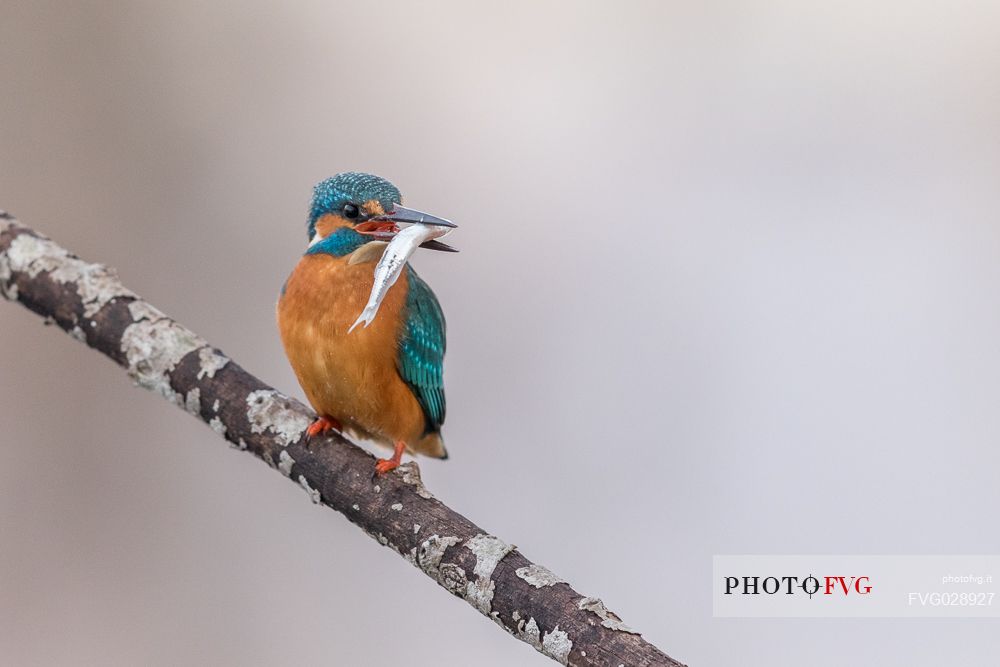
431,444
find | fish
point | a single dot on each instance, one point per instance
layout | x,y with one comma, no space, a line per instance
390,266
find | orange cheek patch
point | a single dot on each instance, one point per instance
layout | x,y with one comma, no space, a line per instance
328,224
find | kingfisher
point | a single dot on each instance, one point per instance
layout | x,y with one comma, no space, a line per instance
382,382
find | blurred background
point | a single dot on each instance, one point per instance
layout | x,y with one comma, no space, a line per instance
729,283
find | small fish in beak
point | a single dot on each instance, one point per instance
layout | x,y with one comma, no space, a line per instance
422,233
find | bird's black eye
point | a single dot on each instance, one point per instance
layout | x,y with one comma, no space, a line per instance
351,211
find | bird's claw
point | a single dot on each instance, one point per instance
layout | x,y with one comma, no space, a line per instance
322,426
382,466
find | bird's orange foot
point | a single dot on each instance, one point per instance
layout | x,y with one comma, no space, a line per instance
322,426
382,466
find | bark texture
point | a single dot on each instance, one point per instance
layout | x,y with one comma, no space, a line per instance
525,599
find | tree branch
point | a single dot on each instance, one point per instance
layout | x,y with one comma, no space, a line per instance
525,599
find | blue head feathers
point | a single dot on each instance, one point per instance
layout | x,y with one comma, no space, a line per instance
350,187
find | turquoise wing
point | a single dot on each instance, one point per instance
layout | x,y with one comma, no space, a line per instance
420,359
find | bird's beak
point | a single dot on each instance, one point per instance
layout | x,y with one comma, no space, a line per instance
384,227
403,214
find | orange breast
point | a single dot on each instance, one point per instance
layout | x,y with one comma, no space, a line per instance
351,377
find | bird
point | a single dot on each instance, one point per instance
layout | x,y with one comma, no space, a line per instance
383,382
